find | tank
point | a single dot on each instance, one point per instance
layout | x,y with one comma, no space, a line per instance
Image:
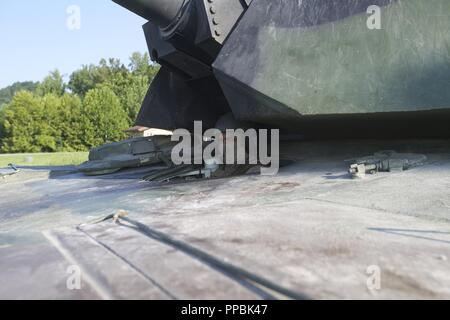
321,68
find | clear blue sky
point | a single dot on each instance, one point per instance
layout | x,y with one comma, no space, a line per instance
35,39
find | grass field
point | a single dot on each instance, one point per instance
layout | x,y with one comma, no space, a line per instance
43,159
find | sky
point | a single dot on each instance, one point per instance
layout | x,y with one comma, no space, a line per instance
38,36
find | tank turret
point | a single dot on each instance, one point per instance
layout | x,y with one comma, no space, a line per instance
324,68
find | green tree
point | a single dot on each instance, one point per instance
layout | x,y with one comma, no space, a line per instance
133,96
53,83
42,124
139,63
131,91
18,123
131,87
83,80
102,100
129,84
6,94
91,76
103,118
68,124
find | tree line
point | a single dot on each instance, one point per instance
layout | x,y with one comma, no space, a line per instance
90,109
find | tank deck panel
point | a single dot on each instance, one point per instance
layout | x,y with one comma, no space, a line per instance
309,232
